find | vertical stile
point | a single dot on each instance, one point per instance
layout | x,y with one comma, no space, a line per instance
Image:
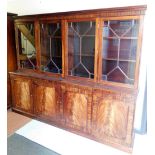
64,48
17,45
139,45
96,50
37,43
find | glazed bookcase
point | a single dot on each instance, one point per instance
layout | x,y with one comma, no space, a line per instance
79,71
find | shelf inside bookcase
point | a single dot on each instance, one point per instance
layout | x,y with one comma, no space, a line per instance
127,38
119,40
51,47
114,59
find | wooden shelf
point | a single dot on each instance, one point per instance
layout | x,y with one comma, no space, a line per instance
113,59
128,38
55,37
81,35
86,55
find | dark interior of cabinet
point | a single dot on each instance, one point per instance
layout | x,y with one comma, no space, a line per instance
119,50
51,47
81,48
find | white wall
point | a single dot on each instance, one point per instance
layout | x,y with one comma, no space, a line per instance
27,7
3,81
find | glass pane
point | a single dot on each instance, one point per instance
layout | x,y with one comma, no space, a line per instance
119,50
128,49
81,48
121,28
51,47
27,52
110,50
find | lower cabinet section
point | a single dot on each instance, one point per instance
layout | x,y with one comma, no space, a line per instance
104,115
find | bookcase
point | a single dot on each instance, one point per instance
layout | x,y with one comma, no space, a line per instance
79,71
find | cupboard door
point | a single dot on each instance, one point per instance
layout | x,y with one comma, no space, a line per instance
112,116
21,93
47,103
77,106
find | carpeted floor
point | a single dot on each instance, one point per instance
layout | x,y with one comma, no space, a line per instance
19,145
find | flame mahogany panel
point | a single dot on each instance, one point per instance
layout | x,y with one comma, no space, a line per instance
77,106
112,112
21,93
47,98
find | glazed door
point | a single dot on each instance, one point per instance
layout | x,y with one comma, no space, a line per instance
77,106
112,116
47,100
22,95
119,56
25,43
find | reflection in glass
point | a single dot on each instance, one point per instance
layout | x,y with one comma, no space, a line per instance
51,47
119,50
27,52
81,48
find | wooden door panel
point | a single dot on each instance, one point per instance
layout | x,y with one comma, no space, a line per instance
50,100
111,115
77,107
22,97
111,119
47,100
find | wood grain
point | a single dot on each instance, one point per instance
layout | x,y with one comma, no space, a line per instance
111,116
77,104
22,95
111,119
47,100
50,106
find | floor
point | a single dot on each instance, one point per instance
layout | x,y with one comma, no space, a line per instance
15,121
64,142
19,145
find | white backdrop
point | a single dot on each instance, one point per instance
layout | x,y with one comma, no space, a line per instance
24,7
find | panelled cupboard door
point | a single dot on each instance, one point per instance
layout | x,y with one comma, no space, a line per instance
47,100
22,95
77,106
112,116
